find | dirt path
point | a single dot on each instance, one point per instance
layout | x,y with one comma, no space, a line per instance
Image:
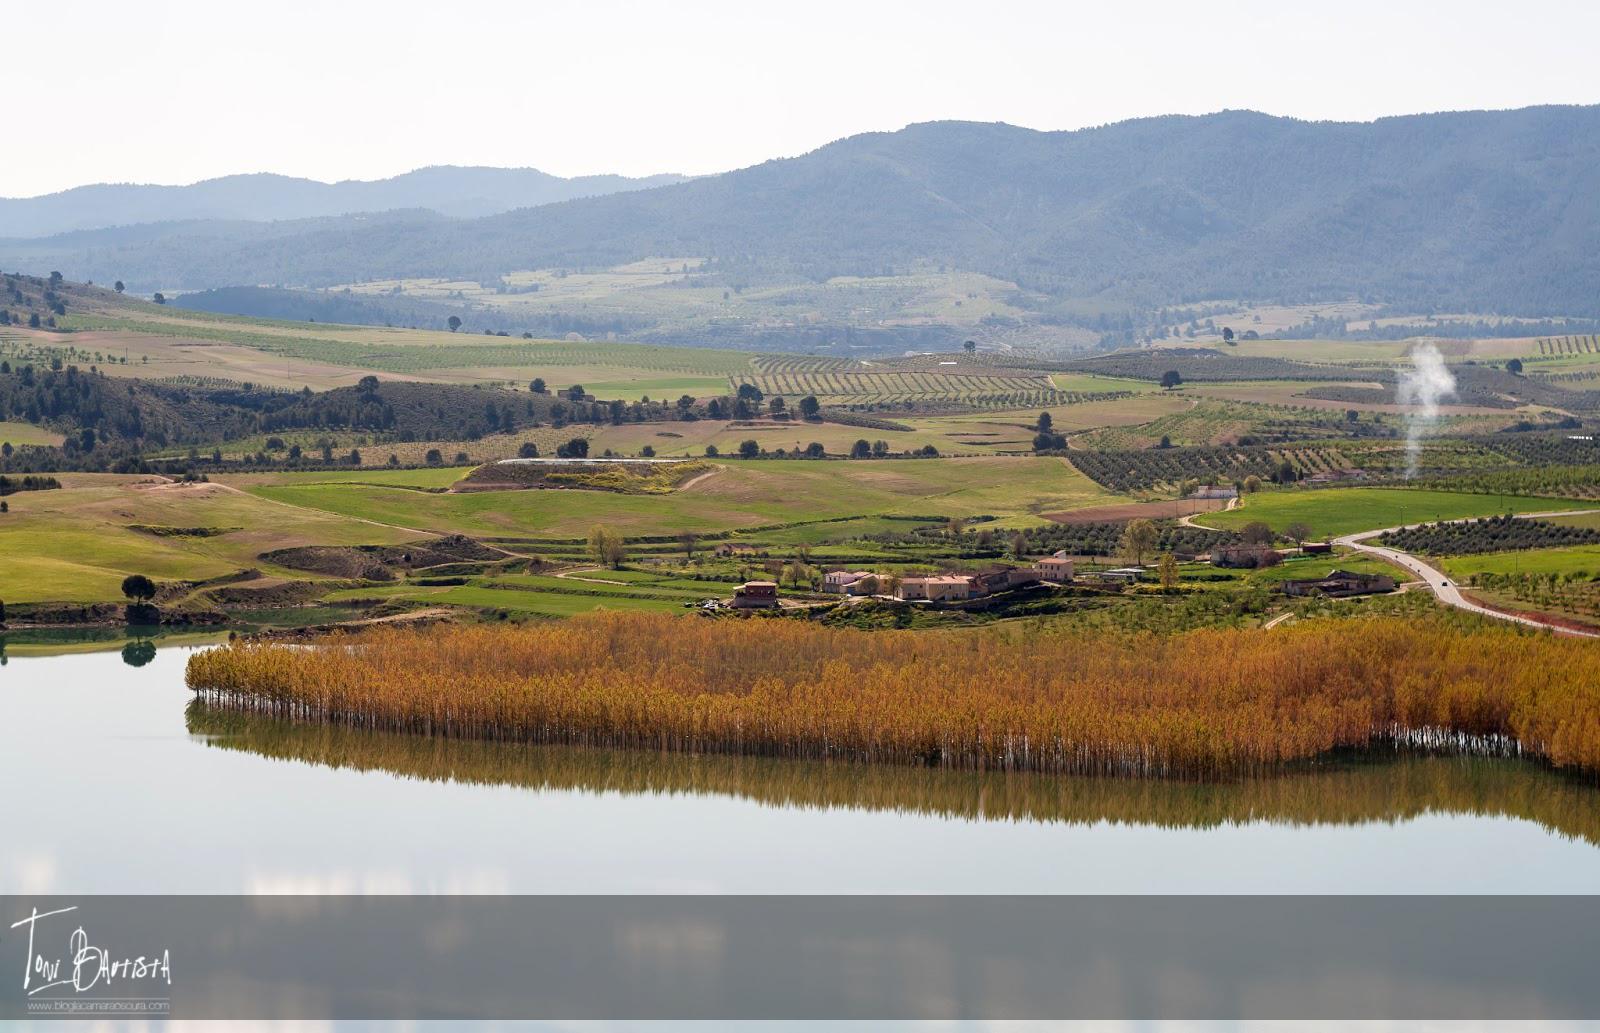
322,512
697,478
572,575
1189,521
1443,588
400,618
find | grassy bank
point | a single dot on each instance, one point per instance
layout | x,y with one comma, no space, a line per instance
1203,704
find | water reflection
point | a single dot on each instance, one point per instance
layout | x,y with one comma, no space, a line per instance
1348,790
138,652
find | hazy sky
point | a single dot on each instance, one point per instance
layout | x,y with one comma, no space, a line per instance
172,92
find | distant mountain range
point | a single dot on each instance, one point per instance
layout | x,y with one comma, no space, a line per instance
447,189
1472,211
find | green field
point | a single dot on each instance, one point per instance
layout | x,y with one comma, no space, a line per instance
740,494
1089,383
424,477
19,434
527,603
1335,511
1307,567
76,544
1584,559
645,387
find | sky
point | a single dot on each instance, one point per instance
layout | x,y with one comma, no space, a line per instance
173,92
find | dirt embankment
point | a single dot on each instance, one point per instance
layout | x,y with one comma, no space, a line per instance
72,615
380,562
627,477
274,592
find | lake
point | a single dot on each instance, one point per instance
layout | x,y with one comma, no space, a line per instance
115,784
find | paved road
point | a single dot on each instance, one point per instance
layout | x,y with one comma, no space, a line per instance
1442,586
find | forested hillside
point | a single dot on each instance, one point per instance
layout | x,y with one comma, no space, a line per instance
1476,211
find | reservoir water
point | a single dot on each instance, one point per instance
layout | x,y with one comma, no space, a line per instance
114,784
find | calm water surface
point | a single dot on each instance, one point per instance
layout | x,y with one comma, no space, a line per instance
109,783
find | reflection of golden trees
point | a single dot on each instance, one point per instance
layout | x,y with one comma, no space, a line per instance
1213,703
1388,787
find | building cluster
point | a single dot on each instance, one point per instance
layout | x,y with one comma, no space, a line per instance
940,588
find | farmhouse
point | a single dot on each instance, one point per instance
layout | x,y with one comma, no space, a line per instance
1339,583
841,581
1210,491
1054,569
755,595
937,588
1316,548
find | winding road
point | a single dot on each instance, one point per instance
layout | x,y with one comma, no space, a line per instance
1445,589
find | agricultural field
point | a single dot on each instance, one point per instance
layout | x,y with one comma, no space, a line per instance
1491,534
76,544
18,434
128,338
431,478
964,434
875,389
1561,582
979,411
1166,470
1346,352
1579,562
1369,398
543,596
1209,422
1336,511
1089,384
740,494
669,294
1568,345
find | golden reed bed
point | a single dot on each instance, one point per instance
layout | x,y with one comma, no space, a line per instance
1209,703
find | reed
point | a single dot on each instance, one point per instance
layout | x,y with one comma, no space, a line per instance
1204,704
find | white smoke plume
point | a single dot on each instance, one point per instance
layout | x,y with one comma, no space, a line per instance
1421,389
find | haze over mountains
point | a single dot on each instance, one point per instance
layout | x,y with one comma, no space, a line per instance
1488,212
464,192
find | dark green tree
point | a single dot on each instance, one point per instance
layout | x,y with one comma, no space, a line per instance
138,588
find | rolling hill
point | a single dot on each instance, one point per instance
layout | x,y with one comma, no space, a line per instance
1471,211
446,189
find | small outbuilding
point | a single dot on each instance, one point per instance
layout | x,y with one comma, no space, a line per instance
1120,575
1339,583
